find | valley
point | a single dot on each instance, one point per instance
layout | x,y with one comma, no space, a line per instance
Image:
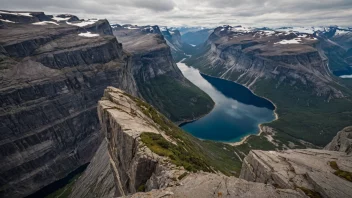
236,114
92,109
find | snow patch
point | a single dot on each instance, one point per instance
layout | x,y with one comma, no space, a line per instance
132,28
164,29
45,23
83,23
8,21
192,45
17,13
151,29
292,41
341,32
59,19
88,34
241,29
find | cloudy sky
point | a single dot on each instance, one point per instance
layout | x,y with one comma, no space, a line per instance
198,12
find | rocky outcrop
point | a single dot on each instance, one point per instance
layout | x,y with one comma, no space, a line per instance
158,78
342,141
311,171
51,76
132,164
205,185
137,165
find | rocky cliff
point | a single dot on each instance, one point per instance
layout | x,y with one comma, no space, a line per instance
336,43
288,68
143,151
53,70
319,173
158,78
342,141
144,155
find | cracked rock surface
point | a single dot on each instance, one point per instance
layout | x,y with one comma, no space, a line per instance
342,141
293,169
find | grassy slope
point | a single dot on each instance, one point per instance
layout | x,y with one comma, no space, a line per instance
302,115
190,152
305,116
164,93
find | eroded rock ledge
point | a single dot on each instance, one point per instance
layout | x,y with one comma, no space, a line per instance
342,141
135,167
309,170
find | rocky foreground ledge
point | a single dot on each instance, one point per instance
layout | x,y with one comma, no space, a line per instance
127,164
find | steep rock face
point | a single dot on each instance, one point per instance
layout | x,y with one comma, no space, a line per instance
249,56
342,141
179,49
131,162
158,78
51,78
136,167
309,170
288,68
337,46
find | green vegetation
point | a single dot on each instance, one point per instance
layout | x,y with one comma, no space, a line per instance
178,155
178,99
343,174
255,142
141,188
182,176
309,192
189,152
302,115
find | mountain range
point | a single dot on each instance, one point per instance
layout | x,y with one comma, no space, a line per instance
84,94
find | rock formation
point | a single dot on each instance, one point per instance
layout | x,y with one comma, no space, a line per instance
52,73
336,43
309,170
159,80
137,166
247,56
53,70
288,68
342,141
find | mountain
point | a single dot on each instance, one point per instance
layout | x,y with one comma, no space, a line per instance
145,155
196,37
53,71
158,78
288,68
52,74
179,49
337,45
335,42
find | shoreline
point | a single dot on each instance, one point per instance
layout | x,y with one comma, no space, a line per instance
179,123
244,139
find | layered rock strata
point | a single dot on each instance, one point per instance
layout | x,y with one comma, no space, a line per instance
52,73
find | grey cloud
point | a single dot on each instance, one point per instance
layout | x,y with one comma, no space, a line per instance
198,12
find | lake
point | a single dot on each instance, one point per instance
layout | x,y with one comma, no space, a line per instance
237,112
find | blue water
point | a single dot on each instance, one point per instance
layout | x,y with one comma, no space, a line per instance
237,112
